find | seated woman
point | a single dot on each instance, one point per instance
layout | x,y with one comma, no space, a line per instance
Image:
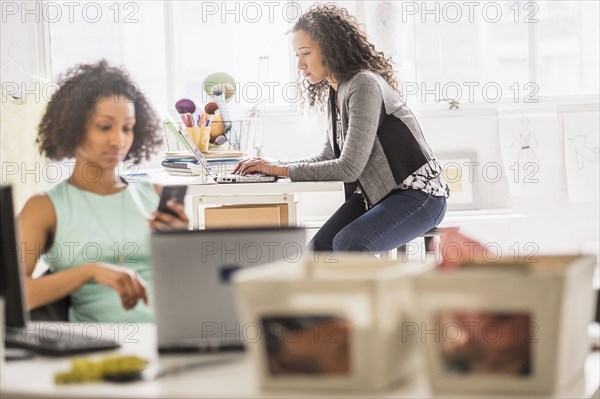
93,228
394,188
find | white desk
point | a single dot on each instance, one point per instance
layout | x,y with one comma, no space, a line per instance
280,192
234,379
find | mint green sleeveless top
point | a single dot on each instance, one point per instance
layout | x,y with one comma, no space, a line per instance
92,228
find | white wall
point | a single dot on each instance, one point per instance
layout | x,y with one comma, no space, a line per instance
293,136
549,224
24,70
553,222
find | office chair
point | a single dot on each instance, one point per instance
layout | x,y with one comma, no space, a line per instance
55,311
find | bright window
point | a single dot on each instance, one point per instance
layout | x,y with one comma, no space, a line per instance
124,33
568,48
489,52
476,52
248,40
170,47
469,61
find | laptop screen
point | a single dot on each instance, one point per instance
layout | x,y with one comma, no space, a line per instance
194,149
194,298
209,170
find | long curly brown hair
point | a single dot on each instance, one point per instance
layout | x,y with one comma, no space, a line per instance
63,126
345,48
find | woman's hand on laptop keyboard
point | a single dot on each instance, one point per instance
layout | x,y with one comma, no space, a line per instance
130,286
261,165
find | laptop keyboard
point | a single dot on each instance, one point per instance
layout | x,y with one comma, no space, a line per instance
56,342
233,178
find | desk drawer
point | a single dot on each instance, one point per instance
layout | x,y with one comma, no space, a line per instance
236,216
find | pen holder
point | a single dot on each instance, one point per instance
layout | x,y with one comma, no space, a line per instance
201,136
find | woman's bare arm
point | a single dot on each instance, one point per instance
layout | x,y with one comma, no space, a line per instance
37,225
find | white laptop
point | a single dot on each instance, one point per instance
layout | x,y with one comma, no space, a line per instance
221,177
193,293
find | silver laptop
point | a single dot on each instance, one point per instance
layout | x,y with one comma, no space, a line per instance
193,294
223,177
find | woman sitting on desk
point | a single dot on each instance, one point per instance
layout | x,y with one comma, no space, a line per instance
394,190
93,229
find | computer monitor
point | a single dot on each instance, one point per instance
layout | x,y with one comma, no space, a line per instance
12,286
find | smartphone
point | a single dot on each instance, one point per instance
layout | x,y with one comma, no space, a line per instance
174,193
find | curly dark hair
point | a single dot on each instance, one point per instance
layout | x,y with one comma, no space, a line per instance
62,128
345,47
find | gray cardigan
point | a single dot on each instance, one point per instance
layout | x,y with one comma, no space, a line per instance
363,157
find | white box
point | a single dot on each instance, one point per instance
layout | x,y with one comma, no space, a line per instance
507,327
330,323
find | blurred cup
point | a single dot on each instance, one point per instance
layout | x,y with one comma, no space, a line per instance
1,334
201,136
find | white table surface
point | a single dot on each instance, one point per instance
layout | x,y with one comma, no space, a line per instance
282,186
234,379
199,185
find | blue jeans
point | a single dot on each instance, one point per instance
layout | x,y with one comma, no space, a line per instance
396,220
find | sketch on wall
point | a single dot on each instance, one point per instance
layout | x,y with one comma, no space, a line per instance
582,155
524,142
584,152
530,146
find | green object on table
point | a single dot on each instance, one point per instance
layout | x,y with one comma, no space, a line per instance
85,370
173,129
221,80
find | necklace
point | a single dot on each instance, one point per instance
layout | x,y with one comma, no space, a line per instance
116,246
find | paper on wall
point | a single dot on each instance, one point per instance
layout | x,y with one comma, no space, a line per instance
530,147
582,153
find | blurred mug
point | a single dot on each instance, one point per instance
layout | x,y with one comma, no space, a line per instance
201,136
2,326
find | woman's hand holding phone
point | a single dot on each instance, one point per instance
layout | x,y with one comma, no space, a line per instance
170,214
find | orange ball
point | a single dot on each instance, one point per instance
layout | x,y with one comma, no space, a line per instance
217,127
